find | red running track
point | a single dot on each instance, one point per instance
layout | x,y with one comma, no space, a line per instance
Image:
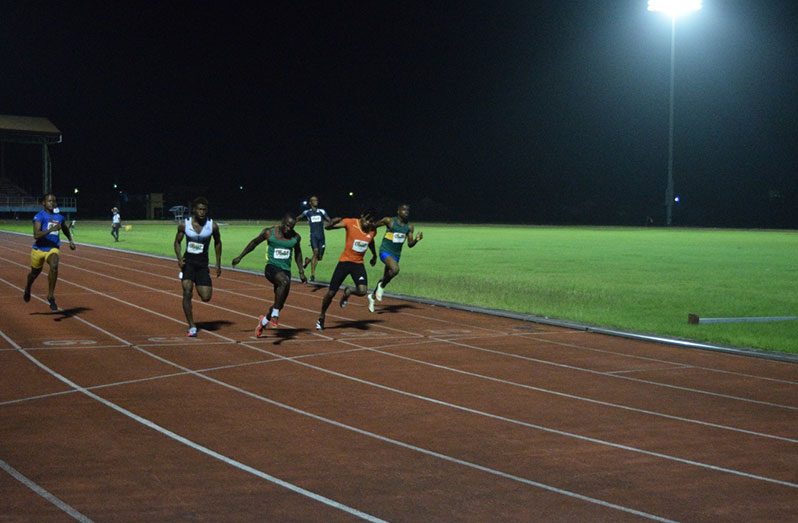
415,412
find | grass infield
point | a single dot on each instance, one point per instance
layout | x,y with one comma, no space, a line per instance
643,280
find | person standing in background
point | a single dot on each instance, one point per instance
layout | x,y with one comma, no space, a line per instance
116,223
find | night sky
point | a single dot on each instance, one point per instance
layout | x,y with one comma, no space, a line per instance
513,111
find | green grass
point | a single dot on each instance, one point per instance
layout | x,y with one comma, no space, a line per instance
641,280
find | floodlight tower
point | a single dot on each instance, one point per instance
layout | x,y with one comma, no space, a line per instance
674,9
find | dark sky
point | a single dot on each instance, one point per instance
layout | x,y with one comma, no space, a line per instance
525,111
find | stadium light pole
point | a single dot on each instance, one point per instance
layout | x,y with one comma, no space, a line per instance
674,9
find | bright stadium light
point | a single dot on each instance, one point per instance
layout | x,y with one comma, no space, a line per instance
674,9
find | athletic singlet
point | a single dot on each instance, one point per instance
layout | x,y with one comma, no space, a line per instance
280,250
395,236
197,242
48,221
316,219
357,241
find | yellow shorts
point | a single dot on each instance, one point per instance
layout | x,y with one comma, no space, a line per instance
37,257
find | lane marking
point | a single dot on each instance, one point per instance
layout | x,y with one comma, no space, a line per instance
196,446
506,419
38,489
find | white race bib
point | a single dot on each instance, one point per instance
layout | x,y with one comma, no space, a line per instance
360,246
315,219
195,247
398,237
281,254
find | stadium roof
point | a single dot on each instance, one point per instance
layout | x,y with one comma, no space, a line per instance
28,129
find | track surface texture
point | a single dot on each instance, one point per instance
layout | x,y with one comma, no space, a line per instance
412,413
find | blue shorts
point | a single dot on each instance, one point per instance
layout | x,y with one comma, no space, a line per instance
384,255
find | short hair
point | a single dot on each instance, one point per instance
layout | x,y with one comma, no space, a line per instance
45,195
200,200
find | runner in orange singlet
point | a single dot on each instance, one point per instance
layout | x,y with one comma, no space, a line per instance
359,237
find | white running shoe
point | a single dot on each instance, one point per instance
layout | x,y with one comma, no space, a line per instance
379,291
371,302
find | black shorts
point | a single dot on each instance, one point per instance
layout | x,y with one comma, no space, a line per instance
199,274
344,269
317,242
271,273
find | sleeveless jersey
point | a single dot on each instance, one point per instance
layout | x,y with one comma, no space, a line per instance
280,250
315,218
197,242
395,236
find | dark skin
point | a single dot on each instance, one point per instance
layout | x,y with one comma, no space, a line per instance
391,265
366,225
49,204
199,215
282,282
314,204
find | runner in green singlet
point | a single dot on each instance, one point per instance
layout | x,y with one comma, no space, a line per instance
282,241
397,231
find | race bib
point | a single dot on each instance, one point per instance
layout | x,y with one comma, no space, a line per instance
195,247
360,246
315,219
398,237
282,254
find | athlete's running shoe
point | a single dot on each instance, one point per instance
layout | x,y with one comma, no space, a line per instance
379,291
344,301
259,328
26,295
320,324
53,306
371,302
192,332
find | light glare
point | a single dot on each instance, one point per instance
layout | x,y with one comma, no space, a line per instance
674,8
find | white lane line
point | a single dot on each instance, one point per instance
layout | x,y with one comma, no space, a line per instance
335,423
582,398
609,375
386,439
467,409
64,507
173,374
196,446
536,336
525,334
454,342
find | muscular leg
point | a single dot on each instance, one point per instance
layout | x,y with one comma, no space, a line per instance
313,262
360,290
52,275
32,275
282,286
188,291
390,272
325,303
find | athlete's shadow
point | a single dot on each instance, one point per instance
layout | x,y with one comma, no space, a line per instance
282,335
316,287
213,325
362,325
391,309
63,313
